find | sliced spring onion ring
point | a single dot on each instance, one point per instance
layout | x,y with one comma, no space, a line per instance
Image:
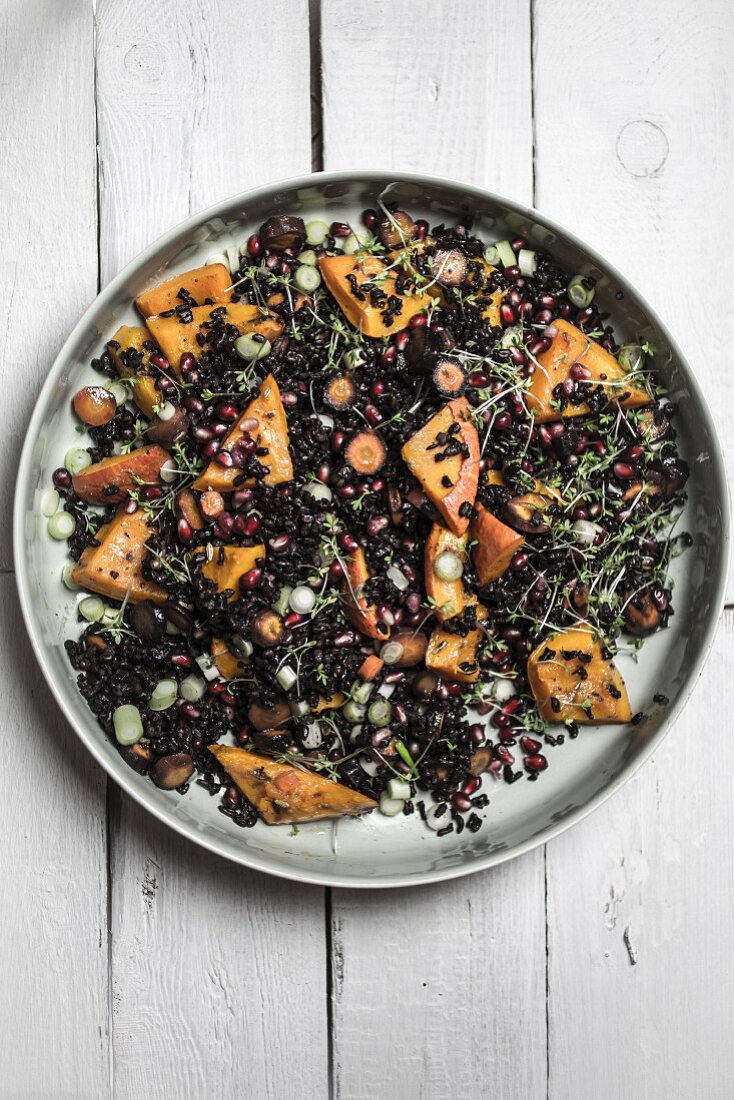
77,459
127,724
579,293
92,609
61,526
164,695
192,688
448,566
506,255
391,807
631,357
50,501
380,713
307,279
67,579
527,261
316,232
398,788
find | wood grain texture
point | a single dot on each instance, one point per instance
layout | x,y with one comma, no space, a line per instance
442,87
437,989
219,974
197,100
194,106
48,208
429,984
647,177
640,897
641,978
53,906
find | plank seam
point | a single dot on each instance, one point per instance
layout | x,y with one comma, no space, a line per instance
108,792
317,97
533,120
329,993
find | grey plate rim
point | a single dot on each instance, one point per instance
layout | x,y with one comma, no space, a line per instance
252,860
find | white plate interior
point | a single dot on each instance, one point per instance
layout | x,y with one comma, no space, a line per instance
376,851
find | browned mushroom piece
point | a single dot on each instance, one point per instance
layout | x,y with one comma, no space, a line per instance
396,229
282,232
674,476
578,595
525,513
171,772
269,718
267,628
653,425
419,500
448,267
166,432
641,616
95,405
407,649
425,343
425,685
137,757
276,741
395,504
481,758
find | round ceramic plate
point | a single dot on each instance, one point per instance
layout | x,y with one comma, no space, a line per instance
375,851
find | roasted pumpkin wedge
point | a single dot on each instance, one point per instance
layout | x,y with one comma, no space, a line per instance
491,312
449,482
271,434
454,657
570,347
229,665
114,567
202,284
361,613
364,306
495,545
175,338
110,481
284,795
572,680
132,361
228,564
330,702
449,596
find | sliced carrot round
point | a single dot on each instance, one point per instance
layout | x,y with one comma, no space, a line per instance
448,377
340,392
366,453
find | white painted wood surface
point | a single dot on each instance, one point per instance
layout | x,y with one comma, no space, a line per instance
600,968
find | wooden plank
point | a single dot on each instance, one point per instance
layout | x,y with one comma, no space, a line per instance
640,898
640,895
439,988
646,173
217,973
197,102
47,206
442,88
53,908
429,985
190,111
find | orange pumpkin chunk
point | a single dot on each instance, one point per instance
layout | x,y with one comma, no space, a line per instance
132,361
359,311
228,564
204,284
111,479
114,568
571,681
360,613
176,339
449,597
569,347
455,657
271,433
229,665
495,545
451,483
285,795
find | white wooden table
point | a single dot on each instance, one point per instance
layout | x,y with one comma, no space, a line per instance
132,963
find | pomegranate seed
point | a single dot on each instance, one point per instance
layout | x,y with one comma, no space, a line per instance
339,229
507,314
251,526
388,356
378,485
579,372
453,688
623,471
336,572
289,398
471,785
512,706
130,507
241,498
377,388
500,721
323,472
418,321
461,803
212,448
421,229
348,542
401,341
385,614
279,543
478,380
344,638
519,561
337,440
377,524
224,458
600,448
227,412
190,711
254,245
293,619
503,421
536,762
225,523
202,434
413,603
184,531
529,744
504,755
152,492
187,363
252,578
635,453
539,346
181,660
347,492
373,414
219,429
369,218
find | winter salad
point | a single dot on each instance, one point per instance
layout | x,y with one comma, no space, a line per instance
364,523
